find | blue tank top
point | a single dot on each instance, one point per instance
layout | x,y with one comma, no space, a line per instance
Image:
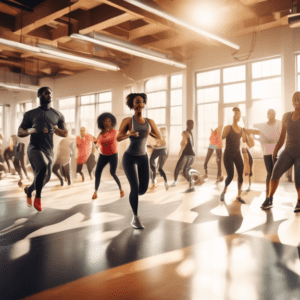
137,146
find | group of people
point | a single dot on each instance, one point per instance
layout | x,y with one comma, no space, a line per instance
41,123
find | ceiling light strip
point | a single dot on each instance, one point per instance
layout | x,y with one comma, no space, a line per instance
19,87
182,23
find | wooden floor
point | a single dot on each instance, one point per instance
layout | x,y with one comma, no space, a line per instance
193,246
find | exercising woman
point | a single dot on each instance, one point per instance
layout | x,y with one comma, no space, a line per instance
135,159
107,141
291,154
160,152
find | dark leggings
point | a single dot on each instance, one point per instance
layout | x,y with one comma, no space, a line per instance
219,159
231,159
19,163
245,150
41,166
269,166
65,172
185,162
103,160
90,163
162,154
136,169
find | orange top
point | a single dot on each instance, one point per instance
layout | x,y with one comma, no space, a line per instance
108,142
84,148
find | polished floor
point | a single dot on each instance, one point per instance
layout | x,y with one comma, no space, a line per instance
193,246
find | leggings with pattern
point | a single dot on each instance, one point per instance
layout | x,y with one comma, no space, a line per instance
185,162
136,169
103,160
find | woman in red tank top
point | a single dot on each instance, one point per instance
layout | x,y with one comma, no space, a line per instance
108,146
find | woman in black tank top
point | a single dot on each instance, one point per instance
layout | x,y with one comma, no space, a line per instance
135,159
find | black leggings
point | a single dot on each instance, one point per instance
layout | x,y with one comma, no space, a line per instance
231,158
269,166
136,169
162,154
41,166
65,172
185,162
103,160
219,159
90,163
19,163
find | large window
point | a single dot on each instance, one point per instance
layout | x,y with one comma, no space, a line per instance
127,90
175,113
254,87
67,108
21,109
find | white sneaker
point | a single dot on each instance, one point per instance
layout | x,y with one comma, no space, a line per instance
136,223
173,184
166,186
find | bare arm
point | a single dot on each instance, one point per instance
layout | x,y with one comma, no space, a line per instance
252,131
154,130
225,132
25,132
281,138
124,127
60,132
183,142
243,136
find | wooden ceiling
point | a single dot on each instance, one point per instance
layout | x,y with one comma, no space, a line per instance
51,22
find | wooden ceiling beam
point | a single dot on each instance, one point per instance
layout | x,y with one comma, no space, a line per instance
7,21
43,14
148,29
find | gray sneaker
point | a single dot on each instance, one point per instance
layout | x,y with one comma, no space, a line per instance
173,184
136,223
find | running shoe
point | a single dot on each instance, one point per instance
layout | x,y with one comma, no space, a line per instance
240,199
220,179
173,184
268,203
95,196
297,208
136,223
37,204
166,186
121,194
28,199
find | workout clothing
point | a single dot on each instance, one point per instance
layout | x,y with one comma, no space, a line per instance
162,154
136,169
19,160
108,142
232,156
8,155
84,148
90,163
215,141
188,150
210,151
103,160
39,118
137,146
269,166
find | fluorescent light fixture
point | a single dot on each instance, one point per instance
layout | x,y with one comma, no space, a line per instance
29,88
127,47
43,49
181,23
67,56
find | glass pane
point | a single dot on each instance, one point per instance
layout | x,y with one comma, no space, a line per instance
66,103
176,81
175,139
208,78
234,93
176,97
156,84
208,95
156,99
69,115
28,106
228,115
105,107
298,83
158,115
105,97
176,115
207,120
234,74
89,125
268,88
88,99
271,67
260,108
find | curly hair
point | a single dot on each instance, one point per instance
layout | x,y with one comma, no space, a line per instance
130,98
105,115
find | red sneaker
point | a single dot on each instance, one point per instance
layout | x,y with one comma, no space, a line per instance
95,196
28,199
121,193
37,204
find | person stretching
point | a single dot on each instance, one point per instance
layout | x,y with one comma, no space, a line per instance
291,154
107,141
186,155
41,123
135,159
83,144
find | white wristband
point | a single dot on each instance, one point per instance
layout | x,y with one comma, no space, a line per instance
30,130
